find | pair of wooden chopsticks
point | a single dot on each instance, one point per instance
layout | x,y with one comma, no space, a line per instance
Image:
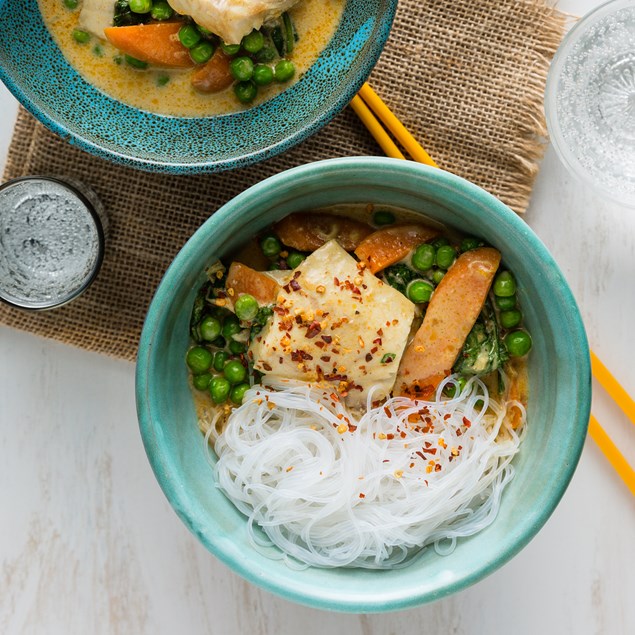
371,109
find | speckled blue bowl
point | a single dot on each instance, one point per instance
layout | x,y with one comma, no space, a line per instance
559,376
37,73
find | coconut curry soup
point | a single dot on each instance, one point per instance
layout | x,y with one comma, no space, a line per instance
191,57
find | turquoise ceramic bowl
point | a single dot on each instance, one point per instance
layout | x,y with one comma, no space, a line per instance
559,374
36,72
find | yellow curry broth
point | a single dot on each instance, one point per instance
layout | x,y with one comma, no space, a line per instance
315,22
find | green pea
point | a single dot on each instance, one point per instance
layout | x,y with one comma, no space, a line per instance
210,328
140,6
220,359
294,259
440,242
469,243
204,31
202,52
270,246
263,75
71,4
253,41
504,284
284,71
161,10
201,382
219,389
446,255
246,307
189,36
98,51
423,257
238,393
80,36
419,291
237,348
199,359
382,218
135,63
510,319
451,389
505,304
230,49
231,327
274,266
437,275
162,80
235,372
518,343
245,92
241,68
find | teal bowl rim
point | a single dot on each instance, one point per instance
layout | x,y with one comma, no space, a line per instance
176,494
374,47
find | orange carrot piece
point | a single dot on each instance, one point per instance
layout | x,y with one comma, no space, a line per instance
389,245
309,231
243,279
214,75
157,44
453,309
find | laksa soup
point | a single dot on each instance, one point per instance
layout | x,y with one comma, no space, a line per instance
191,57
360,374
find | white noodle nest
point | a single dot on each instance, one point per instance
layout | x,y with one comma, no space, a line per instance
371,497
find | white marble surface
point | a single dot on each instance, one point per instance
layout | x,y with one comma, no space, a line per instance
88,543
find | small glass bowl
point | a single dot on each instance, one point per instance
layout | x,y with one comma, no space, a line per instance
51,241
590,100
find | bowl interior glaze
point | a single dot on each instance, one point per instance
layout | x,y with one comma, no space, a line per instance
558,367
44,82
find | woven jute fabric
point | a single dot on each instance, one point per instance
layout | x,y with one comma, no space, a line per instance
465,77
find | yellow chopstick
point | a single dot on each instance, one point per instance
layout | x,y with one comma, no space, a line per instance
410,144
367,100
375,128
614,456
612,387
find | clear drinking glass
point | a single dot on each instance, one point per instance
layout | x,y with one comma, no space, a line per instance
51,241
590,100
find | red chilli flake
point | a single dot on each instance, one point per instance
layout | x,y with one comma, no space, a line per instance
361,495
326,338
313,330
466,422
351,427
295,285
369,357
266,366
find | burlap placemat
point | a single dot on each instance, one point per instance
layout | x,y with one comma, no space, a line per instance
466,77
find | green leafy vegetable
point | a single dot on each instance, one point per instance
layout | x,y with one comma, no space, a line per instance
398,276
262,317
483,351
125,17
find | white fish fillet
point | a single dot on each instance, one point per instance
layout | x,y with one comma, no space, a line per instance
97,15
359,318
232,19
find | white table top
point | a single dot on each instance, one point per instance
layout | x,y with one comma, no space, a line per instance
89,544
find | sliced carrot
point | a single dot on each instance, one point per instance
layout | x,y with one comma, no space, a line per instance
250,254
157,44
214,75
308,232
243,279
453,309
389,245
